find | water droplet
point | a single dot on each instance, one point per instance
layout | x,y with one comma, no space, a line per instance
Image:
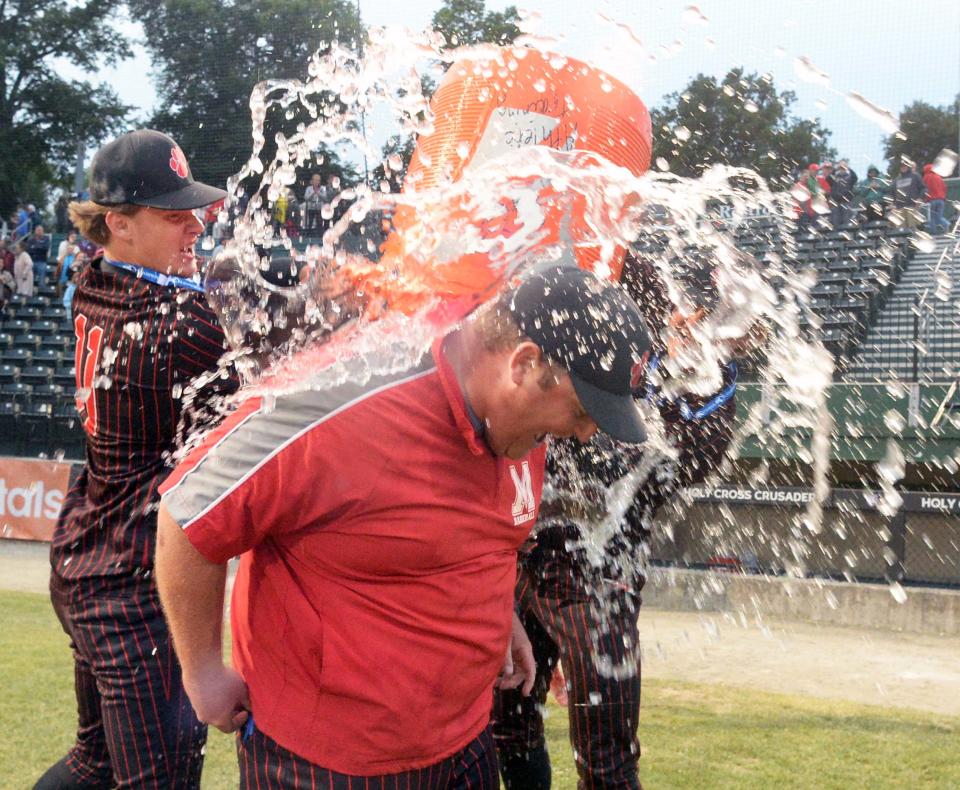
885,119
894,421
806,71
898,593
692,15
540,85
750,106
463,149
395,163
945,163
662,164
261,42
682,133
924,242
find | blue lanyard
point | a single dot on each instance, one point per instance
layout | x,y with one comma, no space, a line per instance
708,408
158,278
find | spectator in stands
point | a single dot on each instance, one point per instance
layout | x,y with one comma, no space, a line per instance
65,255
39,248
35,218
806,190
314,197
871,194
936,199
6,257
284,213
908,191
23,270
21,223
60,213
72,270
8,286
843,182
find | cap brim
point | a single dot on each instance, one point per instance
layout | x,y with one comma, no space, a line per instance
195,195
617,416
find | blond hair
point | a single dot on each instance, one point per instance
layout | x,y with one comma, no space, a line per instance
91,218
497,331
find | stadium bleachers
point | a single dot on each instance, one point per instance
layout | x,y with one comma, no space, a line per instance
37,378
854,305
856,268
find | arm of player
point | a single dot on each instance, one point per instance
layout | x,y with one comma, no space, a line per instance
191,591
519,666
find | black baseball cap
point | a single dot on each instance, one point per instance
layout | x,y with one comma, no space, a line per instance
594,330
147,168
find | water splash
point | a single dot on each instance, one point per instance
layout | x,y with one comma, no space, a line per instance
692,15
808,72
885,119
345,336
945,163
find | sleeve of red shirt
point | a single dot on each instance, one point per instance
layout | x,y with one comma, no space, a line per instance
249,480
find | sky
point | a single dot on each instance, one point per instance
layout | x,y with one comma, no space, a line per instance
892,53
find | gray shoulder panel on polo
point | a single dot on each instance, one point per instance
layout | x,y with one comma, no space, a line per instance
267,431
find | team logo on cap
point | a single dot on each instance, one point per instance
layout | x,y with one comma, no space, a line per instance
178,162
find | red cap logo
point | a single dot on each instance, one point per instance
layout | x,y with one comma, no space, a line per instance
178,162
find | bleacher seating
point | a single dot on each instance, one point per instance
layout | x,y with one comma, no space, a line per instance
856,266
37,378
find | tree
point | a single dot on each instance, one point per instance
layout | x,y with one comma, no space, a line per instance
209,55
44,116
741,121
467,22
926,131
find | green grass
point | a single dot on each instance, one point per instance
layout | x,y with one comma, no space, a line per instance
693,736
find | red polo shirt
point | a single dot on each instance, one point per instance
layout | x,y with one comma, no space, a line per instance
372,607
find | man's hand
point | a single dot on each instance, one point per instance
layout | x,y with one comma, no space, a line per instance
519,668
219,697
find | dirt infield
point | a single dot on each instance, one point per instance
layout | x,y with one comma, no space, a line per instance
861,665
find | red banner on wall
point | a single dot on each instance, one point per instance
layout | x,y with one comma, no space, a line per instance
31,494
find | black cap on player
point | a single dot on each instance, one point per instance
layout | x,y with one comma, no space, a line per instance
147,168
594,330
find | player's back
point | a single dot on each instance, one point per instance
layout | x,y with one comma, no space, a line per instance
139,345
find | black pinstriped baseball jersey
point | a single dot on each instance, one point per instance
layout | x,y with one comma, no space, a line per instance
139,345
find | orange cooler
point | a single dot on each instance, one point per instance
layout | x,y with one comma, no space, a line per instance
483,109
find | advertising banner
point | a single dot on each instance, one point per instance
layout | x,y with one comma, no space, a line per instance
31,494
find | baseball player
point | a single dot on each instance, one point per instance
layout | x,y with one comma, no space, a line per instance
143,333
378,524
577,615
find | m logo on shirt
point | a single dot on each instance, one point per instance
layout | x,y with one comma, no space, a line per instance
524,504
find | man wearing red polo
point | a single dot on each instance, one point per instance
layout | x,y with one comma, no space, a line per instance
379,525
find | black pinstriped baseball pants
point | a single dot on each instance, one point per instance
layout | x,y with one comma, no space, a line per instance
566,625
266,765
136,727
